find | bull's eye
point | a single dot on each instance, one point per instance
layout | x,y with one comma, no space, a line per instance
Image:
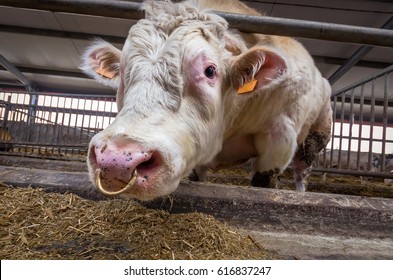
210,72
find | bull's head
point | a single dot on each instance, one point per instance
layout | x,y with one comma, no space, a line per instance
172,78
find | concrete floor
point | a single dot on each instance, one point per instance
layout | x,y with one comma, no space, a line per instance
305,246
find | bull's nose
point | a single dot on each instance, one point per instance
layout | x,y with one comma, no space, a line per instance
116,164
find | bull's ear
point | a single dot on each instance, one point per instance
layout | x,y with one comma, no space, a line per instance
258,69
101,61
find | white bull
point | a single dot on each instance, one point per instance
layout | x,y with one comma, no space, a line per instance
192,93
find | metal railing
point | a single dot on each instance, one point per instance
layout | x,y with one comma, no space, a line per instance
362,132
56,126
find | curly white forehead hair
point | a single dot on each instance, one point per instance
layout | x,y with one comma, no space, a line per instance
167,15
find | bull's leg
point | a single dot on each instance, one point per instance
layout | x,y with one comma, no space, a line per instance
307,152
276,147
267,179
302,166
199,173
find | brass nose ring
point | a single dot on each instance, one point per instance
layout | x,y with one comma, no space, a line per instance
130,184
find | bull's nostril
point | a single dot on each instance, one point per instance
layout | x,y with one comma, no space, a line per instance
149,165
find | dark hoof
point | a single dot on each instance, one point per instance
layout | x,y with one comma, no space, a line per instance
262,179
193,176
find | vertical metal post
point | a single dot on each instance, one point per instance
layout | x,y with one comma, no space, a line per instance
7,111
361,52
360,126
372,122
342,117
29,88
31,113
351,121
384,121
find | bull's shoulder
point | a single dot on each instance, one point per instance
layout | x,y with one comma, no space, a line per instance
291,47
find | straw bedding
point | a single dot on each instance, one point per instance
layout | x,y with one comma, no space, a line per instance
40,225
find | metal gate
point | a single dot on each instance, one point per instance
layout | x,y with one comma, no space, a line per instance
49,125
362,132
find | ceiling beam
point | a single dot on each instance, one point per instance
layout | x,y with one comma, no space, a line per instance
59,33
360,63
114,8
355,58
15,71
53,72
244,23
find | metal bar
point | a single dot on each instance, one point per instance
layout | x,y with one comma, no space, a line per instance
88,96
333,130
244,23
28,85
363,81
70,111
115,9
372,122
367,139
49,144
310,29
360,63
360,127
351,121
354,172
367,101
62,73
355,58
343,69
341,134
6,83
378,120
385,122
59,33
7,112
13,70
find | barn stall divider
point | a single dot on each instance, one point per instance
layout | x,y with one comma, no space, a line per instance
362,131
52,125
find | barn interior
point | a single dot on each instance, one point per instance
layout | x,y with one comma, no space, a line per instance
49,110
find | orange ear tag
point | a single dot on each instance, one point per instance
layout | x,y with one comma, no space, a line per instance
105,73
247,87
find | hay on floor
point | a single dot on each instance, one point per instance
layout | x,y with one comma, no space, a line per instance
39,225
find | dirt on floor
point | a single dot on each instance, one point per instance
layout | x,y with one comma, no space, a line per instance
40,225
322,183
